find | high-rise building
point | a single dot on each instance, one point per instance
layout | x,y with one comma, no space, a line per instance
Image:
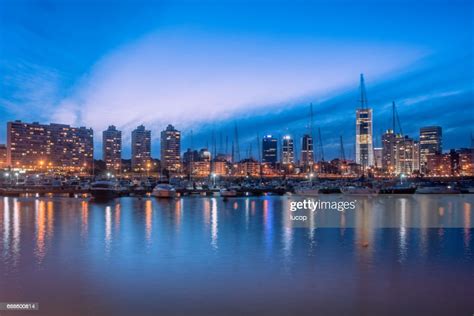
112,148
171,150
389,139
404,155
141,149
287,150
430,144
3,156
364,143
307,152
269,149
55,146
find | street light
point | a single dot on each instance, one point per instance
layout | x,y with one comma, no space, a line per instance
213,175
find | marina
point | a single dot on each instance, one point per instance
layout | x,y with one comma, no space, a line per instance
189,254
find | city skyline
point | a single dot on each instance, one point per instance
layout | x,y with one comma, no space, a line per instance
262,75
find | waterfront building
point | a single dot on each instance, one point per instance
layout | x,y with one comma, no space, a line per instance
35,146
287,150
364,141
220,167
171,150
112,148
404,155
248,167
307,151
201,168
269,149
439,165
430,144
466,161
389,139
141,149
3,156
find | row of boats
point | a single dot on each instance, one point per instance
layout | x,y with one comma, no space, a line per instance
368,190
111,189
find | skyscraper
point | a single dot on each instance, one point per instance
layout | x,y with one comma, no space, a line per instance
112,148
430,144
287,150
141,149
388,151
307,152
404,155
269,149
170,150
39,146
364,143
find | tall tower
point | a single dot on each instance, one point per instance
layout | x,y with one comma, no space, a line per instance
269,149
430,144
112,148
141,148
287,150
364,141
171,150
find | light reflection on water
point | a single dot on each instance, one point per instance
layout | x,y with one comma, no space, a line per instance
195,248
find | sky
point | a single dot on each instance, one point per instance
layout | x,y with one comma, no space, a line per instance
207,66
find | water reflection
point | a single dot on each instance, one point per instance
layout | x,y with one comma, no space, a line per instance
214,229
233,242
148,220
108,228
16,230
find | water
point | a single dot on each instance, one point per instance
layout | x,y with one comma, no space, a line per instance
206,256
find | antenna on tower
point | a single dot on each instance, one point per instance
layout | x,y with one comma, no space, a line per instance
363,93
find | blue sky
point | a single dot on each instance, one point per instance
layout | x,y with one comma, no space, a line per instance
206,65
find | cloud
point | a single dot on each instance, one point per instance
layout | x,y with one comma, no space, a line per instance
194,79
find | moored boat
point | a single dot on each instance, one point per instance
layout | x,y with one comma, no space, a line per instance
104,189
163,190
359,190
438,189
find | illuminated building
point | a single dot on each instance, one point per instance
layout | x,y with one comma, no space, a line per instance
439,165
364,147
404,155
269,149
201,168
220,167
3,156
171,150
466,161
287,150
388,151
307,152
112,148
44,147
141,149
364,143
430,144
248,167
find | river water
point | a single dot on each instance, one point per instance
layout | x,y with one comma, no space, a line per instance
208,256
